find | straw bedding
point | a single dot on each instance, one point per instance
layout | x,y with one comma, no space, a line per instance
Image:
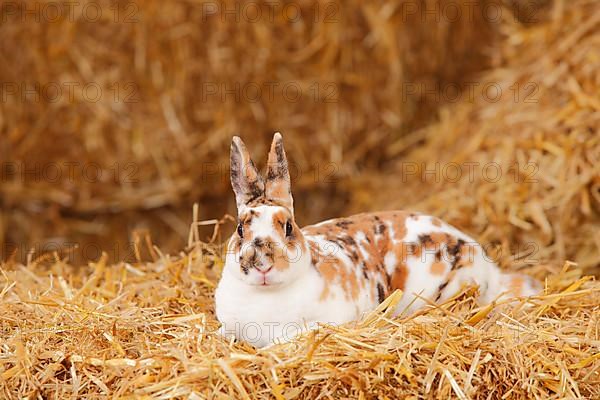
146,331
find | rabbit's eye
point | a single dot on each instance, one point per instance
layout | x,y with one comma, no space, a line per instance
288,228
240,230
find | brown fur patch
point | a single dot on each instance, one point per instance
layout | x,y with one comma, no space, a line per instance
368,234
438,268
328,271
281,260
399,278
279,220
314,253
246,220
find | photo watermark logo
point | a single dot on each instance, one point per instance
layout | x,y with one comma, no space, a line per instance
126,12
56,92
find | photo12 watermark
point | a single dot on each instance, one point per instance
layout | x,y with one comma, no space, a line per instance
71,92
126,12
271,91
271,11
468,11
70,251
472,91
69,171
468,171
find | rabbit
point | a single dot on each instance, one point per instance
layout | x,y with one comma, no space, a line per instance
280,280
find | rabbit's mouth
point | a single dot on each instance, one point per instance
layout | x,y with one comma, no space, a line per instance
264,275
265,278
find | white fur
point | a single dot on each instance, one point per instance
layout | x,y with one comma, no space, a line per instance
390,262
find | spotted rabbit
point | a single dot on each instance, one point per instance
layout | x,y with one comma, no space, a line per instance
280,279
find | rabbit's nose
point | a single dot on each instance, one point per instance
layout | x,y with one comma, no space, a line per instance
263,268
264,271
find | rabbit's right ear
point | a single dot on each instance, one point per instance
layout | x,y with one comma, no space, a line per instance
247,183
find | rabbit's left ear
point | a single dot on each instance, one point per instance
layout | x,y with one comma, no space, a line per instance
278,186
246,181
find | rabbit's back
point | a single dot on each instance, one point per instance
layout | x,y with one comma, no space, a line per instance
365,257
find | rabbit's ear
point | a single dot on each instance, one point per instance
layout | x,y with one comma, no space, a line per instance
247,183
278,187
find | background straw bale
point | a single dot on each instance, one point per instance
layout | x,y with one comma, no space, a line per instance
518,162
159,88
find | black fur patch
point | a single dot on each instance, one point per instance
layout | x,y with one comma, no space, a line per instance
272,173
255,191
344,224
424,239
364,270
380,293
411,249
280,154
441,289
455,252
348,240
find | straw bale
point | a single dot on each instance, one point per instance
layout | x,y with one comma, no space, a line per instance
518,165
149,136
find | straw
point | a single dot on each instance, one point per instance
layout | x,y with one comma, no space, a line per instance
151,331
